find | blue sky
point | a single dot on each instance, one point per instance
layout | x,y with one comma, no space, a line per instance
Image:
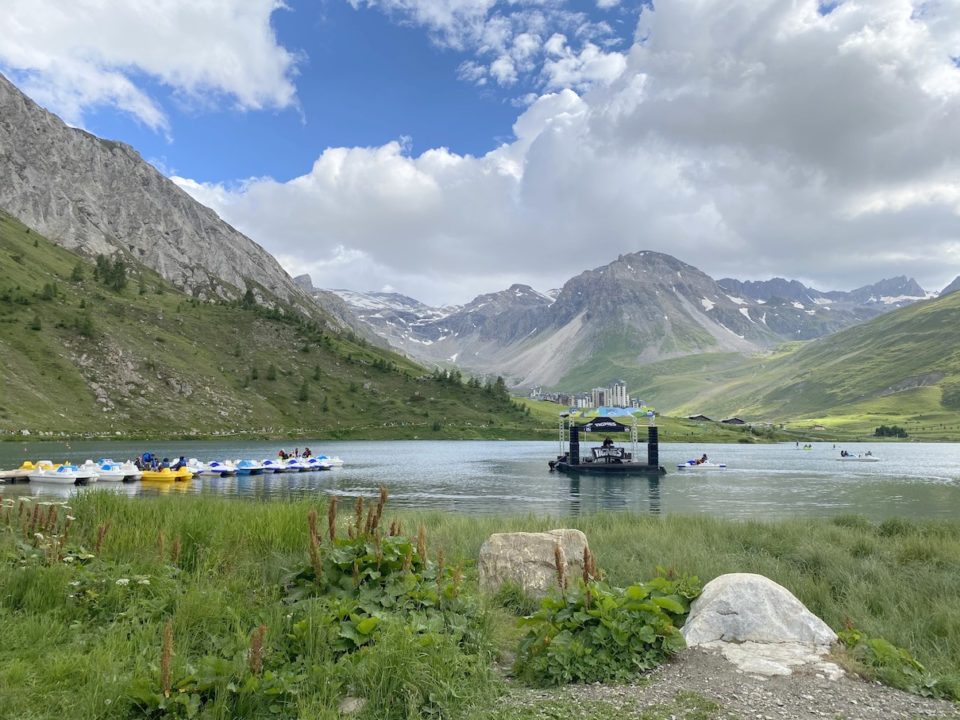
447,148
363,77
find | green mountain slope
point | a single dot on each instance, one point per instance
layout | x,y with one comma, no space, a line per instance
900,367
79,357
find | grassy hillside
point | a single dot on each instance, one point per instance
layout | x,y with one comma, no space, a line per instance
900,368
82,357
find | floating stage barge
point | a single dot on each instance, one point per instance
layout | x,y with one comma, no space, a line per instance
606,459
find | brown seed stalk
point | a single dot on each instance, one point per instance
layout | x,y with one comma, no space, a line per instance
368,526
255,657
101,534
312,523
332,518
175,552
422,544
315,557
34,519
408,560
358,514
560,560
51,519
381,502
166,655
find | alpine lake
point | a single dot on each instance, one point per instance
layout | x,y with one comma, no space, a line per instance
915,480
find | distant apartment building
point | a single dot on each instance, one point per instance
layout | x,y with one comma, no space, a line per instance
617,394
614,396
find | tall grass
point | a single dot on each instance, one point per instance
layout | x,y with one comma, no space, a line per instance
899,580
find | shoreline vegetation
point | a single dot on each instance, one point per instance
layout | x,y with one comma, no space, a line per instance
213,608
540,424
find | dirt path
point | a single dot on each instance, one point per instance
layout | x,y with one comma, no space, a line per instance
702,685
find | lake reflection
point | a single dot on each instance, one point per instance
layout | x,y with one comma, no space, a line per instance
761,481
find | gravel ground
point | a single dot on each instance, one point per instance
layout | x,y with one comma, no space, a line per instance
802,695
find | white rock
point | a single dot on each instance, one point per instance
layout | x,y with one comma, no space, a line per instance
743,607
527,559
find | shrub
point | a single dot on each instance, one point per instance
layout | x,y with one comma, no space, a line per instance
895,666
596,633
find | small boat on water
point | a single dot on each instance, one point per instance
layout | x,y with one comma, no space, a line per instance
249,467
694,465
65,474
218,468
329,461
294,464
162,475
109,471
168,474
273,466
316,463
858,458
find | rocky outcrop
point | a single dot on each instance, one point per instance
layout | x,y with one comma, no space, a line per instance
100,197
759,626
528,560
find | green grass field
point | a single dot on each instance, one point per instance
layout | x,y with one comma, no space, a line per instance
84,638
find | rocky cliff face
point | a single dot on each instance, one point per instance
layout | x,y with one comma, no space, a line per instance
100,197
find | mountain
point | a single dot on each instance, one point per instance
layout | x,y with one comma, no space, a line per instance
898,368
89,350
643,308
98,197
952,287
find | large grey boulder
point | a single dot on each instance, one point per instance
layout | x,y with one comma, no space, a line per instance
759,626
528,560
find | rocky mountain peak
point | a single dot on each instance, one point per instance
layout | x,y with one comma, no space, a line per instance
98,197
890,291
952,287
305,282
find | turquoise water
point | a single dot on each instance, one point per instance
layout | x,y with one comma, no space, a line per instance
761,481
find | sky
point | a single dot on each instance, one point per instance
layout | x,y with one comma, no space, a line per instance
447,148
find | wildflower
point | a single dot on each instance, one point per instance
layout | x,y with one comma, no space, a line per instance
69,559
75,583
123,581
70,517
143,581
38,536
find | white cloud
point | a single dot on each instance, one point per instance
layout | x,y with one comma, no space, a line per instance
749,137
569,69
503,70
72,56
505,39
